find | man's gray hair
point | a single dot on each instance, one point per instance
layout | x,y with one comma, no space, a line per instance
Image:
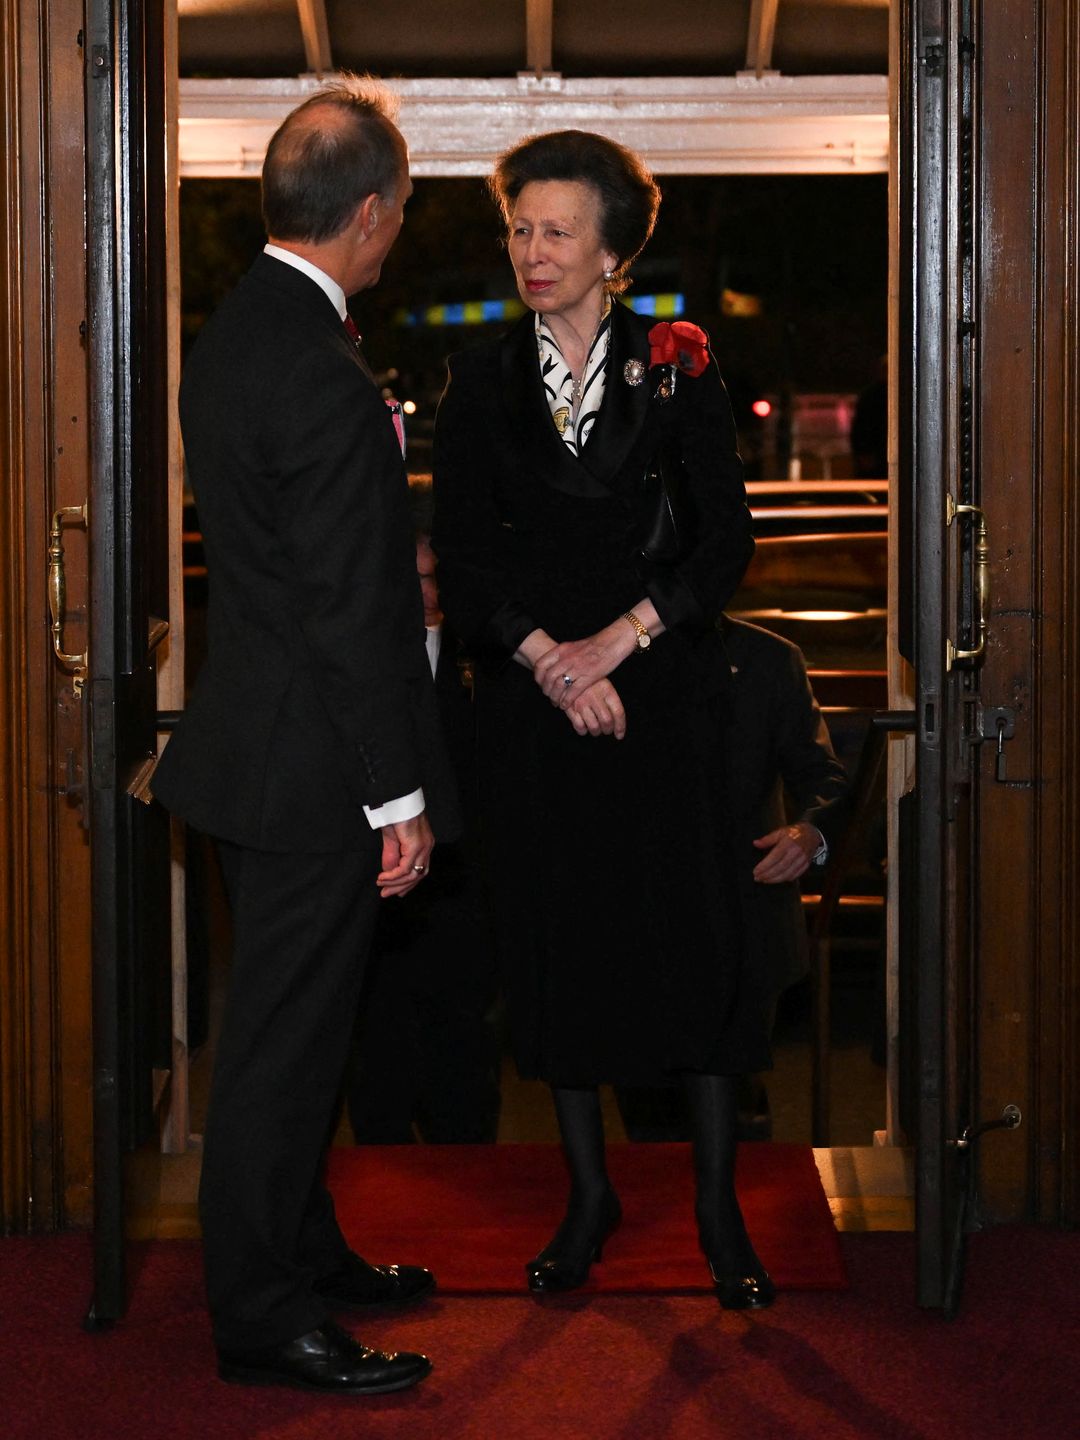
328,155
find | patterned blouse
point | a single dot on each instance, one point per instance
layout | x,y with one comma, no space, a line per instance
574,410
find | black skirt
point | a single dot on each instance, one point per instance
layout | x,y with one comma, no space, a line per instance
613,876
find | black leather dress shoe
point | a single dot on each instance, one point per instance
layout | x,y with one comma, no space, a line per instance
563,1264
329,1360
360,1286
744,1292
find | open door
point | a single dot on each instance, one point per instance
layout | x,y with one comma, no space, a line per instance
935,828
127,520
943,623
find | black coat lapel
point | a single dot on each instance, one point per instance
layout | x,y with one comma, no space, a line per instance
625,406
288,282
530,419
285,279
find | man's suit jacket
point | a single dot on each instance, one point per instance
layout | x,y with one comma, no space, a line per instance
778,742
316,696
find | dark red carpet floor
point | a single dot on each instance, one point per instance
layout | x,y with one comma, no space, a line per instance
862,1362
476,1213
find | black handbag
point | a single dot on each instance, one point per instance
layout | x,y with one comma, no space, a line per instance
667,523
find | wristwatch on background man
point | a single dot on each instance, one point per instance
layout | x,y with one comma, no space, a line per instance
644,639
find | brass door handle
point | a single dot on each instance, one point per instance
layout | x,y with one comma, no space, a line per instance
58,590
982,583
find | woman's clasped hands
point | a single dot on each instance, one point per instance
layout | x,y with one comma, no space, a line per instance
598,711
582,663
574,677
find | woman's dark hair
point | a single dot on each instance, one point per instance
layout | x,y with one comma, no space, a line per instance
328,155
629,196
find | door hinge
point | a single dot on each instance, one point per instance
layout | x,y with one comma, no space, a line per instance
102,735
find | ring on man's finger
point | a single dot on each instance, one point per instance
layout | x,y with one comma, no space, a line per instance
568,680
419,869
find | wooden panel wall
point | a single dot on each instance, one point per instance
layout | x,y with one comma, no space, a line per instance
1055,1174
1028,843
45,1078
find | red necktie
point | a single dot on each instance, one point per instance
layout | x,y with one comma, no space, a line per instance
351,330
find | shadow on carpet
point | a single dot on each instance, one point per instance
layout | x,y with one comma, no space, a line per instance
859,1364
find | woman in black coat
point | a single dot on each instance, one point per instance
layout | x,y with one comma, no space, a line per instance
590,525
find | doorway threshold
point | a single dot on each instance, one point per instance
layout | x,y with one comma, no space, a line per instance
869,1187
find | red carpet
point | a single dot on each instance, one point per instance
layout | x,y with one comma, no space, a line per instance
839,1365
476,1213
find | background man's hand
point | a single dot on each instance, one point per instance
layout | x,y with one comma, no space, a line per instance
790,851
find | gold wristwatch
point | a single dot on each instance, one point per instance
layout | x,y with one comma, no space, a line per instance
644,639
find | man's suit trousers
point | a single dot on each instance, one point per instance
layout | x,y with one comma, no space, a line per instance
302,927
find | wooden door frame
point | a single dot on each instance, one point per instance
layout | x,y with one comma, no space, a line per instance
1055,1171
1027,846
45,1117
932,572
176,1118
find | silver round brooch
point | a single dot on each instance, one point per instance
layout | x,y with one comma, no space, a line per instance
634,372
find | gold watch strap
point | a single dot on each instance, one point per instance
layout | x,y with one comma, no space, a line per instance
640,629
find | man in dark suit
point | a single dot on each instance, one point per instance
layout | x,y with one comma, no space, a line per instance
779,746
310,748
787,795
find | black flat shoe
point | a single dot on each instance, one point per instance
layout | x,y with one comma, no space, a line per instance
743,1292
557,1269
329,1360
370,1288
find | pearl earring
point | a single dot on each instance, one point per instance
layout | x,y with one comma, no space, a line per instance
609,275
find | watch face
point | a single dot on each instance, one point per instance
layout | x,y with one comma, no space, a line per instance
644,641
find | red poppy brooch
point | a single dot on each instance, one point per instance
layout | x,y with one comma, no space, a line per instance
672,347
679,343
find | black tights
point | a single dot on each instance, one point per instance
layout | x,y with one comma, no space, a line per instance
581,1128
589,1209
712,1101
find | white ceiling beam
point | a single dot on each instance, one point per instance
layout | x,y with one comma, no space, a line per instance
833,124
315,29
760,36
539,36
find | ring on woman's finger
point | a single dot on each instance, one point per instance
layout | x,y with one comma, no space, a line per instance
568,680
419,869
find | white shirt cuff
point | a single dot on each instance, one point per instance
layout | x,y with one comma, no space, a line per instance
405,808
821,854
